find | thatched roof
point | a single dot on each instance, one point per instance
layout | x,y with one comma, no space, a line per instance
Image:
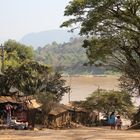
81,110
75,106
30,102
8,99
33,104
59,109
25,98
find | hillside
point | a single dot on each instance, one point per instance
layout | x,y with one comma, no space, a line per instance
68,58
40,39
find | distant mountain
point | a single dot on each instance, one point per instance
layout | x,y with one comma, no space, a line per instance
40,39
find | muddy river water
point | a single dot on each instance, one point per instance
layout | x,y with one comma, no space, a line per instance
83,86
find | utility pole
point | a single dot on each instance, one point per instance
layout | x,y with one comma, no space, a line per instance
98,103
98,112
2,57
70,88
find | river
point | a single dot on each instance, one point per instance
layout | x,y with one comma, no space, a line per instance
83,86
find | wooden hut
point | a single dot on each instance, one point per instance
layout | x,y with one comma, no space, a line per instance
58,116
8,106
21,109
80,115
30,105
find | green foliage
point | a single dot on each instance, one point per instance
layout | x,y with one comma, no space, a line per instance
32,78
136,117
107,101
16,53
68,58
26,77
113,27
62,55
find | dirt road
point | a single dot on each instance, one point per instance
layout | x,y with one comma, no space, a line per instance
71,134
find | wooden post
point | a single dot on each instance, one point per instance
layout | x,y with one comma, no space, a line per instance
69,94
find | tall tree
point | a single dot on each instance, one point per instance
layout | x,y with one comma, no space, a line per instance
113,28
16,53
33,78
108,101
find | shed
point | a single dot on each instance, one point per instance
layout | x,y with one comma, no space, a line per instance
59,116
22,108
31,105
8,106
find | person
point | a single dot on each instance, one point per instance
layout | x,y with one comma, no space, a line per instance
118,122
8,108
112,120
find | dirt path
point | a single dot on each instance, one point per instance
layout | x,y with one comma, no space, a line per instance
71,134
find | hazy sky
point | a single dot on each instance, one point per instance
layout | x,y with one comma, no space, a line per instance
19,17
